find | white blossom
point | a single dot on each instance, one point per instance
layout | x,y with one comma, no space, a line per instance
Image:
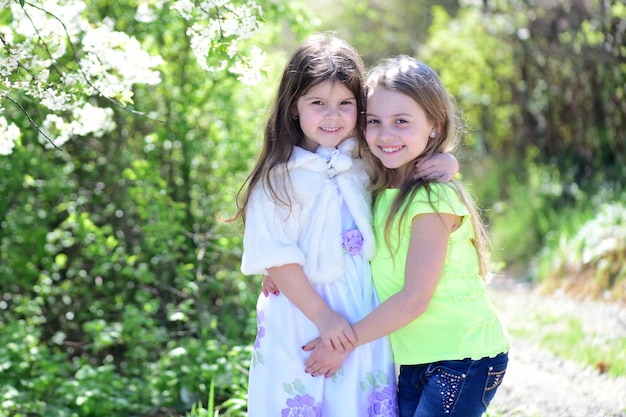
145,13
9,133
121,56
57,128
184,7
90,119
250,70
55,99
111,62
53,19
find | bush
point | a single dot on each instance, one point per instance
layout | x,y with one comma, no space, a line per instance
592,262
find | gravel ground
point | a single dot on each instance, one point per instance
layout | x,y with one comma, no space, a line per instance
539,384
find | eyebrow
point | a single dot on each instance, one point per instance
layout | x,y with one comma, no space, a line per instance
393,115
326,98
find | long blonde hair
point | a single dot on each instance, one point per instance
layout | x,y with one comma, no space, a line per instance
419,82
321,57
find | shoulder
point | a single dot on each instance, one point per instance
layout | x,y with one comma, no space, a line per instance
439,197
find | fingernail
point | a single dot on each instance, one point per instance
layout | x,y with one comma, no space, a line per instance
303,347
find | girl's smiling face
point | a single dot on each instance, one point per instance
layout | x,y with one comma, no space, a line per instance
397,129
327,113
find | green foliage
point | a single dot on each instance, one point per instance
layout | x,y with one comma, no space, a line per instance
476,68
589,257
120,290
375,37
544,124
565,337
519,224
596,351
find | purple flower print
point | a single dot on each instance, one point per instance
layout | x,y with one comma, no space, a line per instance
302,406
261,330
383,402
353,241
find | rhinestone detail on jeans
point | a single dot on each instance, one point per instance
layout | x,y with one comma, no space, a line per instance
448,387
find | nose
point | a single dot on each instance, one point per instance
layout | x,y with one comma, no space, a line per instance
332,112
386,133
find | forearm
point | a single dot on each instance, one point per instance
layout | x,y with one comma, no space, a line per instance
335,331
293,283
394,313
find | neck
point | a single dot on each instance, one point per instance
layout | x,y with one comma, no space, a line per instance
402,175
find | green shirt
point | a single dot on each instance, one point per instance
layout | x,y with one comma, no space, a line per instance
459,321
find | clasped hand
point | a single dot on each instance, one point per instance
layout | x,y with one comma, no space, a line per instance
323,361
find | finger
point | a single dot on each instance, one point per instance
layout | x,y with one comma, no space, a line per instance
351,336
265,293
318,372
310,345
422,174
338,345
314,370
332,344
424,163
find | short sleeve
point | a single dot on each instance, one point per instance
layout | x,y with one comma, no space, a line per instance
442,198
270,235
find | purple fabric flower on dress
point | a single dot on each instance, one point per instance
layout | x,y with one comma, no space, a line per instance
302,406
353,241
383,402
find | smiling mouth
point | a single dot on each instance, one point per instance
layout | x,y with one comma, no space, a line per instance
330,130
390,149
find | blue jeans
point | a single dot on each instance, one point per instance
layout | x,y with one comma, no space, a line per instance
462,388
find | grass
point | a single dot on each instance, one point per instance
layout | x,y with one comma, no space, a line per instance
564,337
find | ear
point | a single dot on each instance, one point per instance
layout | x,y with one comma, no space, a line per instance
435,130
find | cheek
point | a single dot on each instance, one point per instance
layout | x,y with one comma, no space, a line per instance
352,116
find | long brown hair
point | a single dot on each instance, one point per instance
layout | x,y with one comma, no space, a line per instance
321,57
419,82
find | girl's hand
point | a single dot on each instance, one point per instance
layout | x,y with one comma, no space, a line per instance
335,331
268,286
440,166
323,361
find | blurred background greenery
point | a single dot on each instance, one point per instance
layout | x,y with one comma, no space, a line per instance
120,286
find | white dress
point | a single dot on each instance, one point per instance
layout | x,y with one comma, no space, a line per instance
278,386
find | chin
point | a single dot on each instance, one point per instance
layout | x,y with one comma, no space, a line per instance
391,166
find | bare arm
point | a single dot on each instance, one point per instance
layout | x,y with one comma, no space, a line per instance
425,259
335,331
424,264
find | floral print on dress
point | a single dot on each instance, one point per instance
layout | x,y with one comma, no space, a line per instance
257,358
301,404
353,241
382,399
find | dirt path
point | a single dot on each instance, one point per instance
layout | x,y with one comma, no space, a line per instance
537,383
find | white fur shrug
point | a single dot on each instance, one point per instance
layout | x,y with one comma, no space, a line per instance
310,234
